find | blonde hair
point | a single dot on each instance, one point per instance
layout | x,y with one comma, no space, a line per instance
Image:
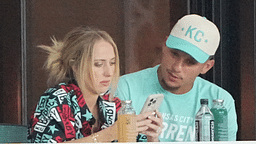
76,49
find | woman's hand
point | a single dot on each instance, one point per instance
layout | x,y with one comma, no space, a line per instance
106,136
150,124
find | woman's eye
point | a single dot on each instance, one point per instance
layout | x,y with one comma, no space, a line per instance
98,64
112,62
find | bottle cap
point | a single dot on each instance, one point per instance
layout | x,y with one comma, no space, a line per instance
204,101
218,100
127,101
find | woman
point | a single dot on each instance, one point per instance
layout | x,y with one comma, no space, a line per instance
79,106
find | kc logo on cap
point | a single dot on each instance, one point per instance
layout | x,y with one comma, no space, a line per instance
196,36
190,32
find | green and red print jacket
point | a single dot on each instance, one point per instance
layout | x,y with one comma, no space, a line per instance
62,115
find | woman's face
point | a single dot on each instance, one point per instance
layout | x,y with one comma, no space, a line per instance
104,62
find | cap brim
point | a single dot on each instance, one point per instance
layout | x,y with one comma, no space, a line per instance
187,47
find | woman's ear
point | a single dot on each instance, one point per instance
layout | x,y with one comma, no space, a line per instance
74,68
72,65
207,66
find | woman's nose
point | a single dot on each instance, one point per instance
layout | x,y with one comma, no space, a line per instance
107,71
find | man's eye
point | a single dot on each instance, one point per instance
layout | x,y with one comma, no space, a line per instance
191,62
175,54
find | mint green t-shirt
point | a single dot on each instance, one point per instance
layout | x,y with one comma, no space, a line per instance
178,111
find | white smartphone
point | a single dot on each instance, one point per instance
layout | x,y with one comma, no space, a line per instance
152,103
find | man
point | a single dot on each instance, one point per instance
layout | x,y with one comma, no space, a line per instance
187,53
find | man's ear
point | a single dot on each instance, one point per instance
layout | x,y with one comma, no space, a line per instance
207,66
164,43
166,37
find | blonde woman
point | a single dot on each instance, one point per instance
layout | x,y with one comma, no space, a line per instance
78,107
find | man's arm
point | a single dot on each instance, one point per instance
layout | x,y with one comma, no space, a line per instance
147,123
232,121
122,91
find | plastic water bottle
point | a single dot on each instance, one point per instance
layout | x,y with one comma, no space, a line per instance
204,123
220,120
126,123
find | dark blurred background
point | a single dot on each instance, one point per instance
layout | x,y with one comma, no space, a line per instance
138,27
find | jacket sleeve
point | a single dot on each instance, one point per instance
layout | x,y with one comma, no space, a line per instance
51,122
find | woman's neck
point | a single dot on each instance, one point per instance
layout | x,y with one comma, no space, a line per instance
91,100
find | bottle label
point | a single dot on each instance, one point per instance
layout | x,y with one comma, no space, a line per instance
220,124
127,128
211,130
197,131
204,132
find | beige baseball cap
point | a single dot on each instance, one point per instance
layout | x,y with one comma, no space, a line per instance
196,36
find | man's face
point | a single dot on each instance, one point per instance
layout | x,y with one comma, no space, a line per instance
178,70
